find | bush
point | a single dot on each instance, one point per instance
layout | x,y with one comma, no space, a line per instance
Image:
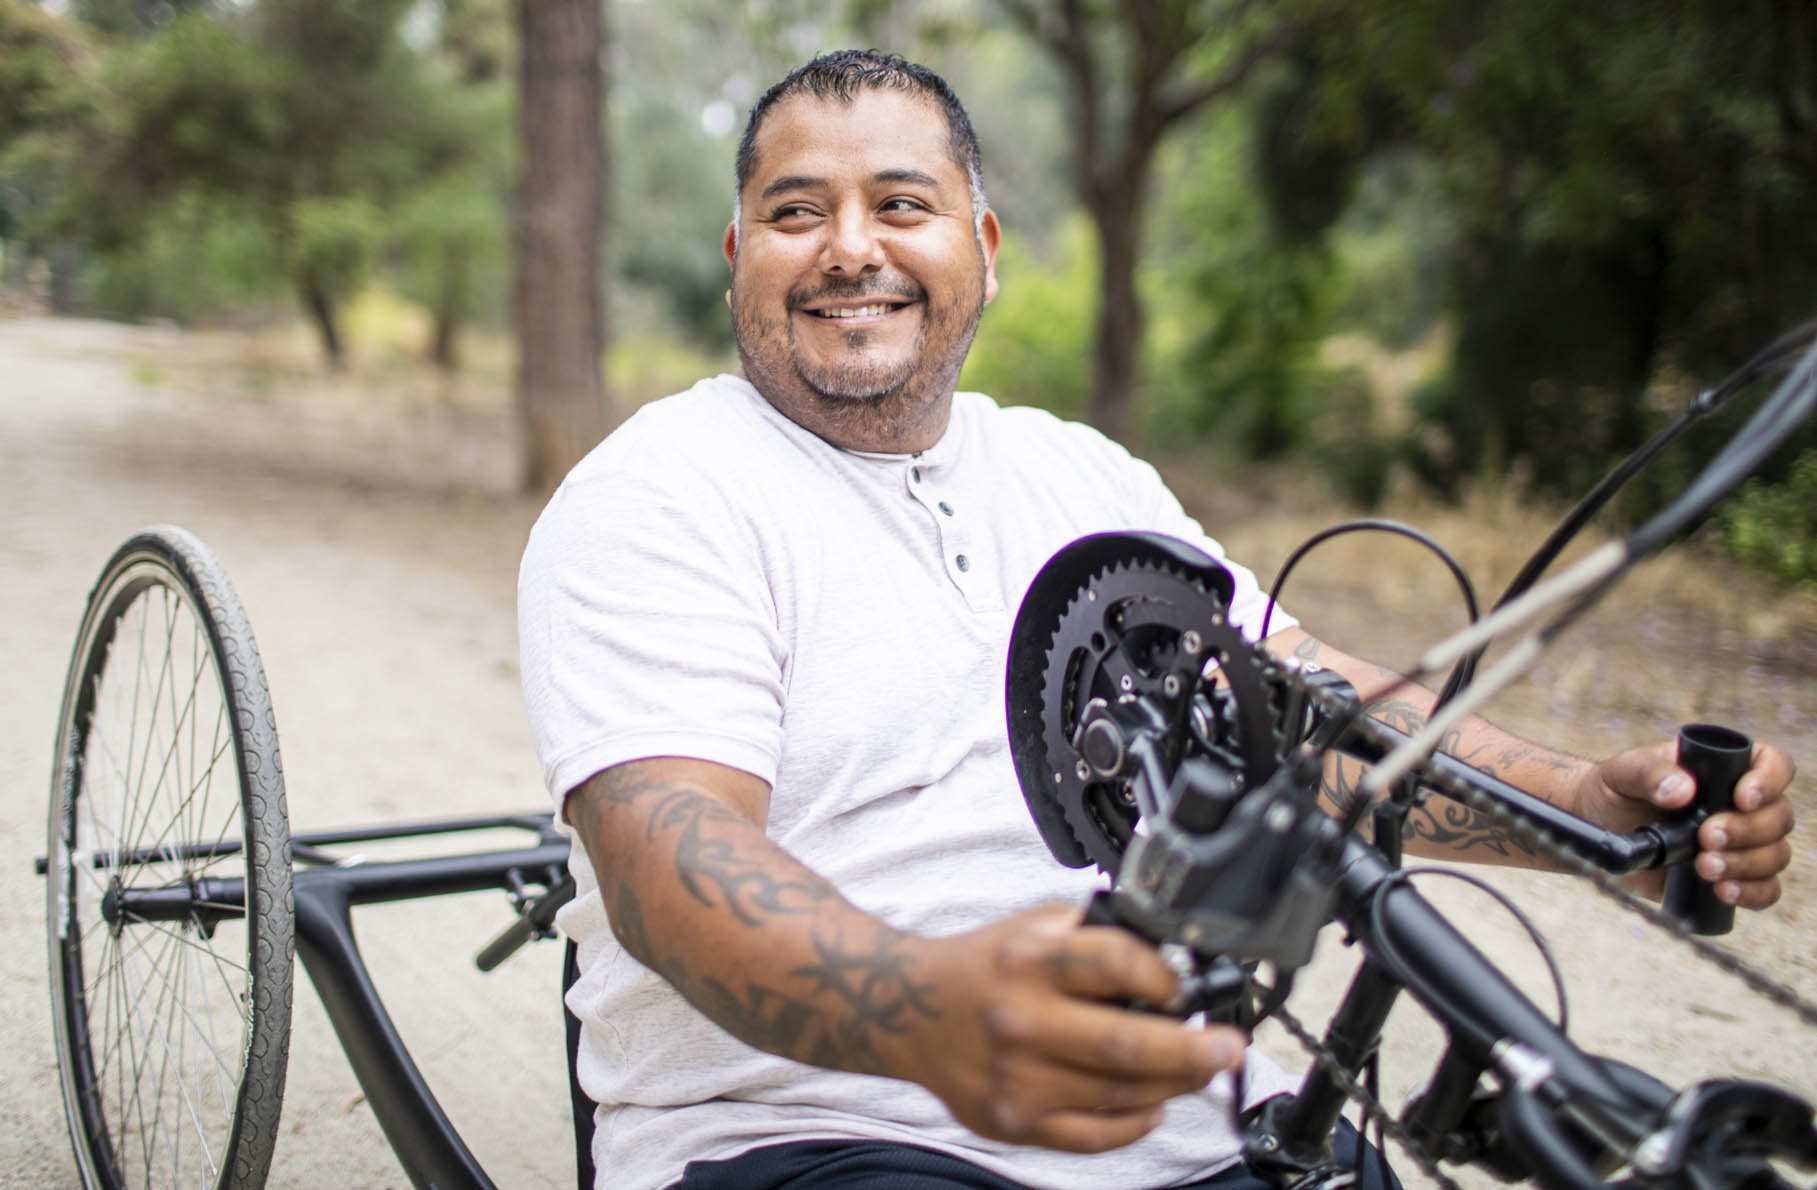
1034,343
193,262
1772,526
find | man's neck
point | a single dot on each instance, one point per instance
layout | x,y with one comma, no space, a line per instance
891,424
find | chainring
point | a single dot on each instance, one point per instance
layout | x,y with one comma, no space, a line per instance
1110,617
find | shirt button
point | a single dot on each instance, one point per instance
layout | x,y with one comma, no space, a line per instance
946,508
962,562
915,474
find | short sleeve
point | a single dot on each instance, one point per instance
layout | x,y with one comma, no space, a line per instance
645,626
1149,503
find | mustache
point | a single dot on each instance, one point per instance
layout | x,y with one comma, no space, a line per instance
856,290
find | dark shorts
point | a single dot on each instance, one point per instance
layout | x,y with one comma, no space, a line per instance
879,1165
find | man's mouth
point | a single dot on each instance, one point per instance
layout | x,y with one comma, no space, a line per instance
874,308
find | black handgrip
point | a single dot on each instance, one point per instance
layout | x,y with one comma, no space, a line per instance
535,919
1716,757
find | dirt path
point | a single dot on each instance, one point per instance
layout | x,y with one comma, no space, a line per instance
376,555
384,614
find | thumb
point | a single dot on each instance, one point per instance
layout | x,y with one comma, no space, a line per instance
1650,774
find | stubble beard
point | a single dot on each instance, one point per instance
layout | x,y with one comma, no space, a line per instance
870,403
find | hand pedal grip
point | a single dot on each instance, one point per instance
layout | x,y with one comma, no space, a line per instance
1716,757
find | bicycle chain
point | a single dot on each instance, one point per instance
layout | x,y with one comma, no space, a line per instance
1390,1126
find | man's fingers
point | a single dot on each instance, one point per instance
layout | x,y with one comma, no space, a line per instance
1750,894
1036,1090
1105,1041
1732,830
1769,772
1755,863
1094,963
1647,774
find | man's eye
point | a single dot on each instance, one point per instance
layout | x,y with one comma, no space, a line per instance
793,213
901,206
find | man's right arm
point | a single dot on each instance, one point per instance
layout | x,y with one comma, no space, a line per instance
1011,1025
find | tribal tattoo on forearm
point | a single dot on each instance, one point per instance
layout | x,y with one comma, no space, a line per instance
712,870
1440,820
855,991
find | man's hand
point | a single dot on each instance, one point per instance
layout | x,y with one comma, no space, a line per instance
1031,1047
1741,851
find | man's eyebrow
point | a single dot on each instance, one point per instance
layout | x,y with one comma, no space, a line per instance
912,177
792,182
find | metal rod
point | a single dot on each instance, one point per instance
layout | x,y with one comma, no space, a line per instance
424,1139
1354,1033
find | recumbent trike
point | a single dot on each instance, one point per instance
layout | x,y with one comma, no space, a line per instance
1149,738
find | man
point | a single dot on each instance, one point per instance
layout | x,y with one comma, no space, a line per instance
764,627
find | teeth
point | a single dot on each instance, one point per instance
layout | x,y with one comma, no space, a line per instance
854,311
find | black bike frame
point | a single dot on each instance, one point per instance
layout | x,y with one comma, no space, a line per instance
428,1148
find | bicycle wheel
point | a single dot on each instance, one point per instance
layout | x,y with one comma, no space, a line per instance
169,881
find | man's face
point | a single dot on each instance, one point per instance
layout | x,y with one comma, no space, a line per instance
857,274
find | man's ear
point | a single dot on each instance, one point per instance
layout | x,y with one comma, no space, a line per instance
729,245
990,238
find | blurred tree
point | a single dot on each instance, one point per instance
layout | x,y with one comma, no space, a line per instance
451,232
1627,188
1034,344
46,96
1260,303
449,235
306,118
39,55
559,307
133,17
1135,70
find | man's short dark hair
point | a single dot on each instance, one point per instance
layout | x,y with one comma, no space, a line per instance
841,75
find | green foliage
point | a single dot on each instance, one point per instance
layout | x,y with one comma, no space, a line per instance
1254,308
196,110
1773,526
1033,344
313,126
39,58
1391,249
195,262
1625,191
450,248
47,95
333,241
671,200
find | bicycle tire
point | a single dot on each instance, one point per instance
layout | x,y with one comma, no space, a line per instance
172,1036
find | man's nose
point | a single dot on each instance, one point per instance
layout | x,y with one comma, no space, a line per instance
852,247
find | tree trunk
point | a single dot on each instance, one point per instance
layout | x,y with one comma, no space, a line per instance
450,301
15,264
1116,371
65,263
320,305
560,212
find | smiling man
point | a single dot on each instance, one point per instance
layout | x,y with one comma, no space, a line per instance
861,264
764,628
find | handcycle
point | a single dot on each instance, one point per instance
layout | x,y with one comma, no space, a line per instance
1149,738
178,899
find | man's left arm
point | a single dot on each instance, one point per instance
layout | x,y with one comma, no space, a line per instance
1742,851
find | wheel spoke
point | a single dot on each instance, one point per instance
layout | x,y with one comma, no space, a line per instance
225,967
161,1036
172,1014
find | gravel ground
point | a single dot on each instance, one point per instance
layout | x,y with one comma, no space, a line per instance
375,546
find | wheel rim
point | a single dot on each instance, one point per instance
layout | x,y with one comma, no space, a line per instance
155,1016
